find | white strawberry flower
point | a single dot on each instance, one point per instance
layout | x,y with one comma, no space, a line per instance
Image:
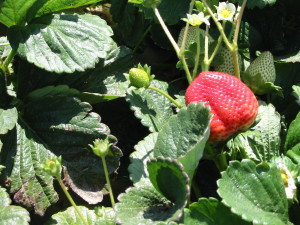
197,19
288,180
226,11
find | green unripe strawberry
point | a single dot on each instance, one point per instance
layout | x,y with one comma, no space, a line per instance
261,74
227,65
263,64
192,36
139,78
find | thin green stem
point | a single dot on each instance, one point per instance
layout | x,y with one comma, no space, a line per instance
197,57
234,50
4,44
180,55
215,50
206,63
8,60
166,30
186,30
219,25
63,187
112,200
166,95
238,22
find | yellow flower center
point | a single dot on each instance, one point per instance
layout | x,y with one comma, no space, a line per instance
284,178
196,21
226,12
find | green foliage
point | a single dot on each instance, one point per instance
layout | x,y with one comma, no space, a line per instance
143,152
184,137
52,47
262,141
165,171
145,205
150,107
211,212
70,216
8,119
10,214
63,64
254,192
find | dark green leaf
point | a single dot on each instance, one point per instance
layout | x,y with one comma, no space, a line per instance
22,152
168,178
211,212
130,25
145,206
49,45
70,216
13,12
294,154
67,127
106,81
255,3
184,136
143,152
254,192
171,10
8,119
152,108
42,7
293,135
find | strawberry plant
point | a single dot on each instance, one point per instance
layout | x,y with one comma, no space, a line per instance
149,112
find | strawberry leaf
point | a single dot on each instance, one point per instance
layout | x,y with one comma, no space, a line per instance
22,152
211,211
293,135
184,136
70,216
145,205
152,108
11,215
8,119
138,166
296,92
170,10
49,45
254,192
67,127
169,179
261,141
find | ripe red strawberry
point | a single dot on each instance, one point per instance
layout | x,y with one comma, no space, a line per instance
232,103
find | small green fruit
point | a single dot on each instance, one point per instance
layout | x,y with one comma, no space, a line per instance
139,78
263,64
227,66
260,75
